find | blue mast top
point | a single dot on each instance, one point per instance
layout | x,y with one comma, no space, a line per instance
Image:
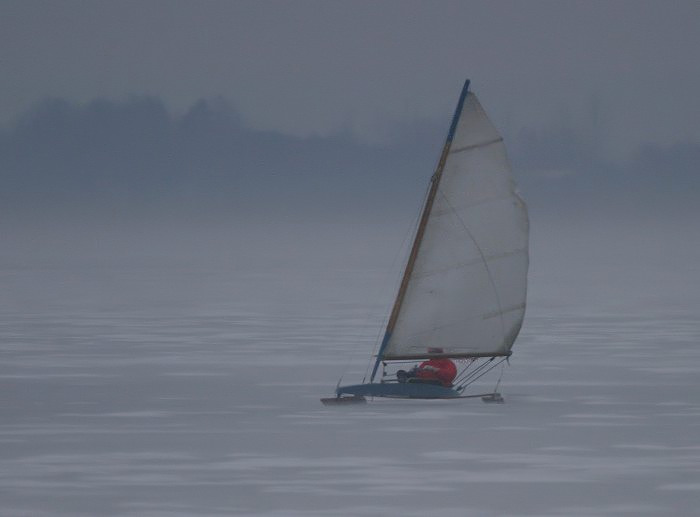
458,111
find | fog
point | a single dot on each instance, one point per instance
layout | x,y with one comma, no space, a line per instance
179,292
205,210
312,68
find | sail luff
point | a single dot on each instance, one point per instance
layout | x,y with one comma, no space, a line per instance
466,292
435,181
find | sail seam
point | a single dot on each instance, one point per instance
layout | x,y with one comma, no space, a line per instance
425,274
476,146
424,335
488,315
452,208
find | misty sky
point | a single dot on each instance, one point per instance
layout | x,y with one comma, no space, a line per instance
316,67
145,101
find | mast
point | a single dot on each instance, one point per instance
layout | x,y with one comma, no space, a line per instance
435,182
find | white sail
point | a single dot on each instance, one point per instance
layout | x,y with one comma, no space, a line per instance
465,290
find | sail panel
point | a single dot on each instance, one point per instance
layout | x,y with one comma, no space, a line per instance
466,293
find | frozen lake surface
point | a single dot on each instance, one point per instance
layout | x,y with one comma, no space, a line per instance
193,389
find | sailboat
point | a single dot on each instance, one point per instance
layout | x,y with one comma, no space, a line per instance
463,291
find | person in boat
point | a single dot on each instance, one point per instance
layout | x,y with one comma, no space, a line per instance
436,370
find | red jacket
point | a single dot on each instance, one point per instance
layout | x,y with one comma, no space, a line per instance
441,369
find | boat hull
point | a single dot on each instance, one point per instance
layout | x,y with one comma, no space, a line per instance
398,390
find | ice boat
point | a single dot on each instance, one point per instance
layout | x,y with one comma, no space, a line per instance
463,290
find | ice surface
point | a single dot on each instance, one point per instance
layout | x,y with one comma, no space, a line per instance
178,390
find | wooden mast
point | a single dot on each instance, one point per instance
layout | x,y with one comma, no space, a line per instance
435,182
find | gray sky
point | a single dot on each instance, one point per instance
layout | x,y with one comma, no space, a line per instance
309,68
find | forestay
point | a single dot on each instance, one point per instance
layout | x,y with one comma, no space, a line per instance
465,291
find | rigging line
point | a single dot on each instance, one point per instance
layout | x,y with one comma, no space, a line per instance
374,348
365,326
483,258
429,198
498,382
463,373
465,377
411,230
471,381
471,377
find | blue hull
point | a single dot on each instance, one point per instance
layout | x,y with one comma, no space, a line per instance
399,390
